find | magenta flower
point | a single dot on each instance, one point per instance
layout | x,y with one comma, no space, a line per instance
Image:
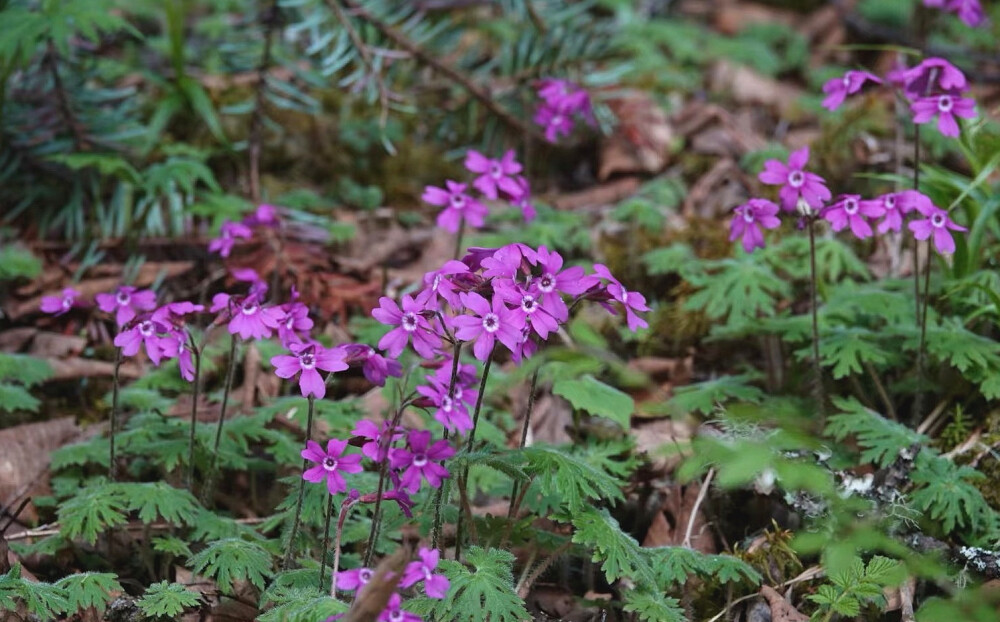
850,210
931,76
379,438
149,334
58,305
309,359
556,122
435,585
175,344
850,83
174,312
264,216
564,95
451,411
409,322
894,205
351,580
419,460
330,464
750,220
249,318
508,261
126,303
394,612
632,301
494,175
528,308
969,11
489,322
294,323
523,200
374,366
228,234
937,224
945,107
458,206
439,282
795,182
554,281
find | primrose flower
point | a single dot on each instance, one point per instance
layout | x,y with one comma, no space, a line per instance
528,308
409,322
850,83
969,11
795,182
458,206
58,305
250,319
893,205
419,460
435,585
394,611
937,224
750,220
126,303
494,175
149,334
374,366
490,322
556,122
309,359
851,211
506,261
632,301
554,281
264,216
294,323
174,312
945,107
931,76
523,200
229,232
451,411
330,464
564,95
379,438
351,580
439,283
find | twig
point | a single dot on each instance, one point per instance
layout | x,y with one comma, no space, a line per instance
880,388
443,67
697,504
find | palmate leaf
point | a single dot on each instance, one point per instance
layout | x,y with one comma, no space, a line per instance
482,593
593,396
232,559
570,480
24,369
960,347
846,350
619,553
14,397
738,289
674,564
92,510
653,606
858,584
90,589
41,599
159,500
703,397
947,495
167,600
880,439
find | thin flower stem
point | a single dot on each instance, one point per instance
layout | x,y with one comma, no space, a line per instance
344,507
468,449
377,512
916,258
326,540
817,370
438,497
524,433
923,314
194,412
890,410
290,548
230,373
458,240
112,466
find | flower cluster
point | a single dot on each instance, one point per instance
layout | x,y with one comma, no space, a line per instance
806,193
561,102
421,570
969,11
935,89
494,178
264,216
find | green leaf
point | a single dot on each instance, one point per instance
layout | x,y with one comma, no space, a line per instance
17,262
44,600
481,591
15,397
651,606
167,600
595,397
947,496
738,290
847,350
90,589
231,559
24,369
92,510
881,439
570,480
619,553
160,500
704,397
171,545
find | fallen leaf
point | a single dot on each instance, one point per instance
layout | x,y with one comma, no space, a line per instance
781,609
747,86
24,457
642,142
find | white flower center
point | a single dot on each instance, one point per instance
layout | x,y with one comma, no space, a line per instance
491,323
528,304
890,201
67,302
447,404
290,322
547,283
557,120
458,201
938,220
436,282
796,179
851,206
495,171
847,80
409,322
748,215
146,329
364,576
419,460
250,308
122,298
329,464
945,103
307,360
396,615
624,297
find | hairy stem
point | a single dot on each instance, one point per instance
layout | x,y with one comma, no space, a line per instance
817,369
468,449
524,433
438,497
344,507
326,540
290,548
377,512
458,240
230,373
112,466
196,352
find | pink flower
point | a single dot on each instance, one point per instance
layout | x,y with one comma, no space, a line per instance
894,205
250,319
494,175
58,305
351,580
418,460
153,336
969,11
795,182
451,411
932,76
439,282
228,234
554,281
394,612
309,359
750,220
126,303
936,223
330,464
490,322
523,200
945,107
294,323
557,122
379,438
435,585
850,83
528,308
851,211
458,206
632,301
409,322
375,367
264,216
